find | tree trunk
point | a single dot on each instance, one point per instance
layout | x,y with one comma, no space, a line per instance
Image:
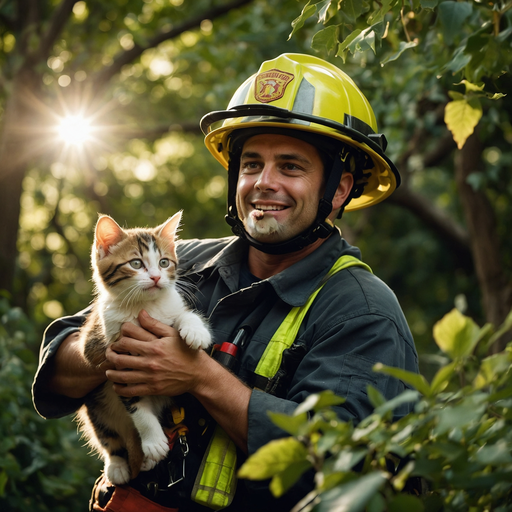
494,284
15,150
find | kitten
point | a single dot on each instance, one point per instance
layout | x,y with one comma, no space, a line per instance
134,269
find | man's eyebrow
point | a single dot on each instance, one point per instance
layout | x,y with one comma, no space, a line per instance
283,156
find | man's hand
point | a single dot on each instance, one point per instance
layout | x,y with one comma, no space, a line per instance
153,360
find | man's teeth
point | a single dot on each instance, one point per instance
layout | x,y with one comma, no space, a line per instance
268,208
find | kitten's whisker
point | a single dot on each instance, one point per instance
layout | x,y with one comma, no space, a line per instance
188,291
129,295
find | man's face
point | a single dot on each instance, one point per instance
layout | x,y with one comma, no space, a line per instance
279,186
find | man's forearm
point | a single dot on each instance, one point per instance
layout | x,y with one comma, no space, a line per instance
226,398
70,375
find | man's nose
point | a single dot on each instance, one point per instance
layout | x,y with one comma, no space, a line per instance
267,179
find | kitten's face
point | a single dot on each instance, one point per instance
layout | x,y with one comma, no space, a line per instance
135,265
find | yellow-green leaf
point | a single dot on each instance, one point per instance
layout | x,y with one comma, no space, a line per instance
461,117
273,458
491,368
442,378
290,424
318,401
414,379
456,334
306,13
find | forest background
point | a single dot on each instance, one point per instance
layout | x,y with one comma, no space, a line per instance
143,73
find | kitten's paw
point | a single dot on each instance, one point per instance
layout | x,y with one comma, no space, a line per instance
148,464
196,337
154,450
117,471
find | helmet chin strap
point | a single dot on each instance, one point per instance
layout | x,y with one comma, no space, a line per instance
322,227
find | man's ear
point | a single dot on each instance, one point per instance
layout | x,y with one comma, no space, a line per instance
343,190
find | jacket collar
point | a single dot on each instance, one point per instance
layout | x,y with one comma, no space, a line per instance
293,285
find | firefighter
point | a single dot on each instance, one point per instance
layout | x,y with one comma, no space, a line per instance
291,305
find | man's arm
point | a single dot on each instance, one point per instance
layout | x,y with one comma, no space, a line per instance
166,366
69,374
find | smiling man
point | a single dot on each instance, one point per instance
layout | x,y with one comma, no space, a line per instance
290,304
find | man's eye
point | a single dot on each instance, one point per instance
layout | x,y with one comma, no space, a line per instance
165,262
249,167
136,264
290,167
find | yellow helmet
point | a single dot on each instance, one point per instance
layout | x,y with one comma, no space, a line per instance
307,94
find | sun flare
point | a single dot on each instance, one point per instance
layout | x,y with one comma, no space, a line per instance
75,130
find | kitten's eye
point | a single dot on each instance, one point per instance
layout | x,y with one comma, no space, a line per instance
136,264
164,262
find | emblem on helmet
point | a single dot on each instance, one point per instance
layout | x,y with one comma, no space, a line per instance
271,85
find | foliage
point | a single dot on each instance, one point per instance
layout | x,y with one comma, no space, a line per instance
43,468
456,38
146,157
458,438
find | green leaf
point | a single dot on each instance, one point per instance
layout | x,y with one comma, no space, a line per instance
498,453
406,503
496,96
273,458
471,87
378,15
414,379
352,496
348,458
429,4
3,481
351,9
442,378
323,10
318,401
375,396
363,41
505,327
401,49
326,39
456,334
460,415
459,61
298,22
407,396
452,16
344,47
490,368
290,424
285,479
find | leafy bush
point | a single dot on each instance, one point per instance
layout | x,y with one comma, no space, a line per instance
43,466
457,440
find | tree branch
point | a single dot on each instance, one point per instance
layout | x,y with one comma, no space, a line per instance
102,78
57,22
437,220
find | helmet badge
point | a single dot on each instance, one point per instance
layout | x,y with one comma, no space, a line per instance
271,85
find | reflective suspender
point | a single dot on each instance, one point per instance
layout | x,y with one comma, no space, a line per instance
215,484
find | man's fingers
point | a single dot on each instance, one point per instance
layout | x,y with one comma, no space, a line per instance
158,328
137,333
121,358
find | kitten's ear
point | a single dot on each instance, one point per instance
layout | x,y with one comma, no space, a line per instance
108,233
169,228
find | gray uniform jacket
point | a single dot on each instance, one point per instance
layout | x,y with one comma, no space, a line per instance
354,322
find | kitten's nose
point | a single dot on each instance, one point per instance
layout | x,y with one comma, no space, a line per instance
155,278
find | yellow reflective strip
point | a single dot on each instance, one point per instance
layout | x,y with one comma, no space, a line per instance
287,332
217,484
